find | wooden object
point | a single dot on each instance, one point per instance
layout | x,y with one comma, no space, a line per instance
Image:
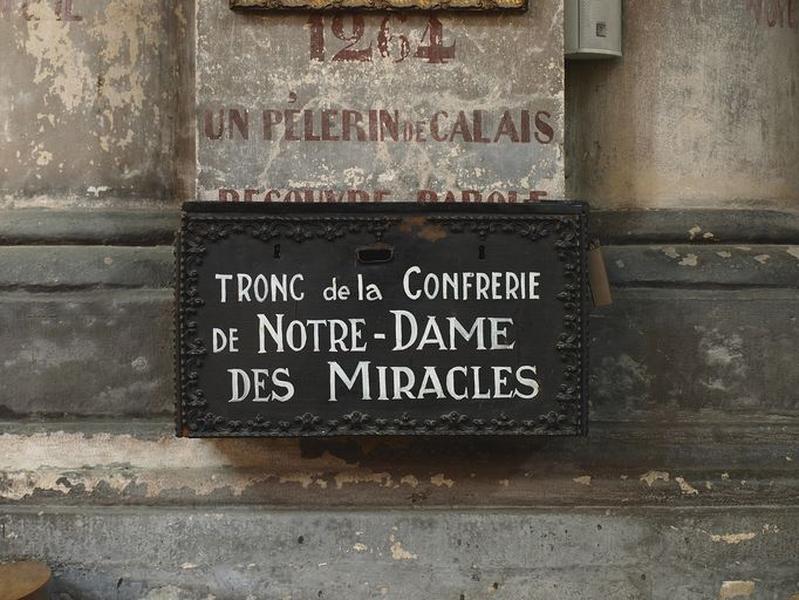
28,580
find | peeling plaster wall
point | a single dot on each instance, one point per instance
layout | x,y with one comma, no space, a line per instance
88,101
702,111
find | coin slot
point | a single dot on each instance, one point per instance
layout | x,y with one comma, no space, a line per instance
375,255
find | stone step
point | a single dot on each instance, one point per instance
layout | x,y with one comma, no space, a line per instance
644,553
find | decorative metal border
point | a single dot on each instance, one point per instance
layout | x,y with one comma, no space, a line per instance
199,230
486,6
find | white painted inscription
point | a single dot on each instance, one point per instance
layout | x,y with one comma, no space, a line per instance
278,333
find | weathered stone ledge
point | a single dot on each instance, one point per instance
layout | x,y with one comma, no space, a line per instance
624,464
533,554
697,226
153,227
68,268
89,227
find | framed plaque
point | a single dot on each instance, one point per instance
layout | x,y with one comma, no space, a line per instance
392,319
382,5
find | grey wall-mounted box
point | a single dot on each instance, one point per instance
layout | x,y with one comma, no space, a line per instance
593,29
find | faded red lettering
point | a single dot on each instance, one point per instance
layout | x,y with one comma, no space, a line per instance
461,128
420,131
385,36
314,125
330,196
434,131
351,119
317,44
307,116
545,133
271,118
310,195
288,120
471,196
525,127
210,132
426,196
435,52
387,122
348,53
357,196
407,131
373,125
241,123
328,123
227,195
63,10
774,13
756,7
293,196
507,127
536,196
477,127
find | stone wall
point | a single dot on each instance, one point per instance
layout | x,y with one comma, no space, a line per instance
700,113
90,94
687,485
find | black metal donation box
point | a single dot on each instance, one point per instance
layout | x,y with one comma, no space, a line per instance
393,319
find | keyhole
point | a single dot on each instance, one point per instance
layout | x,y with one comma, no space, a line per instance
277,251
481,253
